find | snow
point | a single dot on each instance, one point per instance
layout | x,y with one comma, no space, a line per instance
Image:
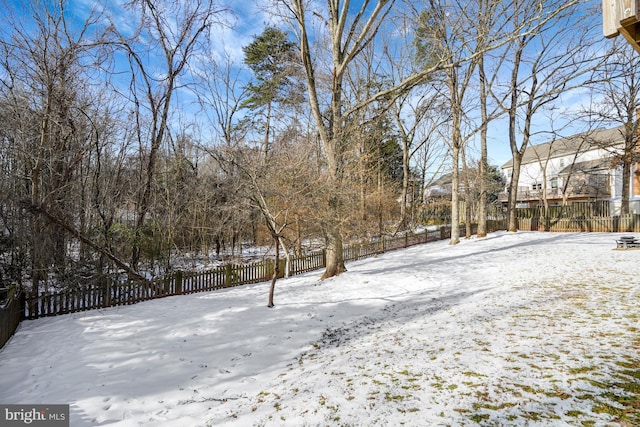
519,328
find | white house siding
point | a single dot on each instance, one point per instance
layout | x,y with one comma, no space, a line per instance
531,174
634,190
617,183
561,153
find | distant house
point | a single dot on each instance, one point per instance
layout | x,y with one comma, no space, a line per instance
577,168
441,187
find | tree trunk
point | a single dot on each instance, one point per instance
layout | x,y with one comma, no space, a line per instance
512,201
482,166
349,34
456,144
335,259
545,200
287,257
276,272
626,179
516,154
406,159
455,195
468,199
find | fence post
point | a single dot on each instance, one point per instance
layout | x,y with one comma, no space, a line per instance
32,304
443,234
178,279
107,293
228,275
23,305
268,269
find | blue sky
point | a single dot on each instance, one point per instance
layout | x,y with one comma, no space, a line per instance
248,19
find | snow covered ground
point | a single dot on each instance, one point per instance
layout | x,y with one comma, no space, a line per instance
530,329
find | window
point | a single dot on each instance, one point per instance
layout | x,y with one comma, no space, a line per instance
554,182
598,181
536,187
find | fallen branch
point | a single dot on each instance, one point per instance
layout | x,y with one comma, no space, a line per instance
41,210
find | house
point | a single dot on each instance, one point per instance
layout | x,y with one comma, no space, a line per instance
581,167
441,187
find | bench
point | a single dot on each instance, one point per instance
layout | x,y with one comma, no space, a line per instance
627,242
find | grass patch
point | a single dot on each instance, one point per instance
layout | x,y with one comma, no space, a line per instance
490,407
630,387
582,370
632,373
394,397
533,416
478,418
526,388
473,374
605,408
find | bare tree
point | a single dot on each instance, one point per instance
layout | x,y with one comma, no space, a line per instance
349,28
488,24
548,60
616,101
50,100
430,158
544,153
173,30
444,35
416,114
348,36
277,185
221,94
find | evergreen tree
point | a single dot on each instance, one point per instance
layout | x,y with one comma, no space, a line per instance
271,58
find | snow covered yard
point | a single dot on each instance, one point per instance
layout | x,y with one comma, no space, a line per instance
515,329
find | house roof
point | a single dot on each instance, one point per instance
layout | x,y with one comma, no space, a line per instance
447,178
589,166
572,144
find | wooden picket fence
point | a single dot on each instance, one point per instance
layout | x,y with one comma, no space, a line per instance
576,209
111,293
10,313
606,224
